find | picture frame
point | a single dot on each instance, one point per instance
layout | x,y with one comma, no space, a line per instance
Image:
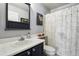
39,19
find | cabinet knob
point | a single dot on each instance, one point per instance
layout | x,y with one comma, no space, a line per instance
28,52
33,50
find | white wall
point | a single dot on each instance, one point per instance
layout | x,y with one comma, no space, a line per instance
34,28
34,9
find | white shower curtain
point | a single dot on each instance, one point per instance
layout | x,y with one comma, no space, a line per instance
61,27
48,28
77,32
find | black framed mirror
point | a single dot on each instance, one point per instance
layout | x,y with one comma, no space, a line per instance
17,16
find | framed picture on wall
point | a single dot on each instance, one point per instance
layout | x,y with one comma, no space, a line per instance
39,19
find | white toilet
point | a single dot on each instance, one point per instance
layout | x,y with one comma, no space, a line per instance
49,51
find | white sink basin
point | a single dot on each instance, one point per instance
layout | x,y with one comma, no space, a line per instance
23,42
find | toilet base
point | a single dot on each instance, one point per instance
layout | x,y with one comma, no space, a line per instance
45,54
49,51
49,54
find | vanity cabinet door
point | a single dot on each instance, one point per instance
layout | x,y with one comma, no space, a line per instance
34,51
24,53
37,50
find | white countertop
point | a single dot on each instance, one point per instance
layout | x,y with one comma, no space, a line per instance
15,47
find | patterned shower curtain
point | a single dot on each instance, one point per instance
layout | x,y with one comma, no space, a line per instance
62,30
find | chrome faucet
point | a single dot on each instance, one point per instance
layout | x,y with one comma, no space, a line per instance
28,35
21,39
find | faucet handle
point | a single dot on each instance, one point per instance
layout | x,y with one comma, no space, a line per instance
21,39
28,35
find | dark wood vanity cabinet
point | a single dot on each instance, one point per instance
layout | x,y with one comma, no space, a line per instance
37,50
34,51
24,53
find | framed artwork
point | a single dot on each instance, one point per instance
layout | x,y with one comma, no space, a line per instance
39,19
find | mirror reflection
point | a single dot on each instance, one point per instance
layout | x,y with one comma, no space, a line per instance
18,12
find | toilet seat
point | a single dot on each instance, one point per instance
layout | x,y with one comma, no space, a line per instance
49,50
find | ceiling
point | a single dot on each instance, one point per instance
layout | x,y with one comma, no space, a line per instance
53,5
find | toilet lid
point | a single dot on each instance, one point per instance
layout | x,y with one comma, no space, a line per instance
49,48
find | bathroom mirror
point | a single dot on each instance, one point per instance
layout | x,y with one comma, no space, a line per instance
17,16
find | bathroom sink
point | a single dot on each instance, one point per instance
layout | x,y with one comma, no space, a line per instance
23,42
